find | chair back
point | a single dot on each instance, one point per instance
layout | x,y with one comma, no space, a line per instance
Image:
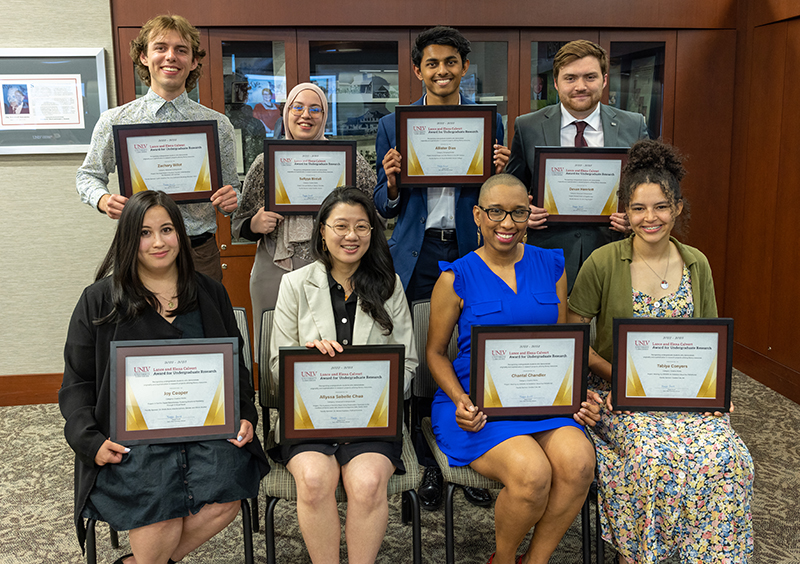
267,391
244,330
424,385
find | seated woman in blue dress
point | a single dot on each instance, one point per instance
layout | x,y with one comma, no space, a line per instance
546,466
349,296
660,496
172,497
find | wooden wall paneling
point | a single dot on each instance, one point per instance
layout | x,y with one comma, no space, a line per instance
770,373
703,132
125,73
669,37
528,36
204,84
748,291
784,328
712,14
771,11
28,389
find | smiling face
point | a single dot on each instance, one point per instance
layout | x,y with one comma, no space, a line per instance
650,213
306,126
580,85
158,242
345,251
441,71
169,59
502,236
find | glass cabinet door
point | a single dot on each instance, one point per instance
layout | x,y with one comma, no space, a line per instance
360,81
636,80
542,91
254,89
486,81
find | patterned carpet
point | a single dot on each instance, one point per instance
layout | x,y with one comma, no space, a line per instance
36,498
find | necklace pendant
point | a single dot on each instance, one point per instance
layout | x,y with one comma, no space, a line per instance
664,284
170,305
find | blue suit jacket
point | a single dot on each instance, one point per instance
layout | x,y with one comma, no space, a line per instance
412,211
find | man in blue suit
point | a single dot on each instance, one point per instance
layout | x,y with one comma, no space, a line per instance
433,223
580,71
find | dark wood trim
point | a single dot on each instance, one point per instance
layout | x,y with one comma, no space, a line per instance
690,14
780,378
27,389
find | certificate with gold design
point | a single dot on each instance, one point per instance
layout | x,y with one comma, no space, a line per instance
299,175
446,145
672,364
356,395
529,371
578,185
181,159
174,390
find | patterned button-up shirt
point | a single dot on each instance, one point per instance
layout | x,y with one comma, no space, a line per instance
92,177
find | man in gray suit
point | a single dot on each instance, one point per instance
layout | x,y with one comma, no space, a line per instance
580,71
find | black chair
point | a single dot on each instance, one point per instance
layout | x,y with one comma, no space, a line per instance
244,328
91,543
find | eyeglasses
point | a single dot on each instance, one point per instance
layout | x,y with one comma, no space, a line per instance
517,216
298,109
344,229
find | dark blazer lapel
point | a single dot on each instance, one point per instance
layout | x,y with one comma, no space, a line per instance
610,126
551,126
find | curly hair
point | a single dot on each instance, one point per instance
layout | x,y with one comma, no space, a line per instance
654,162
439,35
158,26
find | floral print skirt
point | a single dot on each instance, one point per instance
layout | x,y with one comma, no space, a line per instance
673,482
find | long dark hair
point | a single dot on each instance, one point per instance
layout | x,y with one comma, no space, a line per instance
129,296
374,280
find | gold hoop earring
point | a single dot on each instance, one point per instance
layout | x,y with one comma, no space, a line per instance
525,237
324,246
479,236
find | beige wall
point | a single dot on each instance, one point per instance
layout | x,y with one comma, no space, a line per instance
50,243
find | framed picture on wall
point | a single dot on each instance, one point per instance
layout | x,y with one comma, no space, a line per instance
52,99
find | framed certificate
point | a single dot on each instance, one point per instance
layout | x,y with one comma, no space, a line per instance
356,395
672,364
298,175
181,159
174,390
578,184
529,371
446,145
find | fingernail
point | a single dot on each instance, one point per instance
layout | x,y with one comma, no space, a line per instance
239,438
127,449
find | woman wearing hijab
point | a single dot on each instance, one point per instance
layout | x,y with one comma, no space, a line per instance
284,242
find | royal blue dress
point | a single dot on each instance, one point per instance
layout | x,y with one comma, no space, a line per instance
488,300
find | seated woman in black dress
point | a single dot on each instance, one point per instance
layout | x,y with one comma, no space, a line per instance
172,497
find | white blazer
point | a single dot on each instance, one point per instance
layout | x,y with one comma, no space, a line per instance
304,312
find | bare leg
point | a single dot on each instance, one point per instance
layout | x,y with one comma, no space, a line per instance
175,538
365,480
154,544
317,476
199,528
572,461
522,466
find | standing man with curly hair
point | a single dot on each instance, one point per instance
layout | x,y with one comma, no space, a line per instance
168,57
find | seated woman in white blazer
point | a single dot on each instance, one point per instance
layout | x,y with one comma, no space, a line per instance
349,295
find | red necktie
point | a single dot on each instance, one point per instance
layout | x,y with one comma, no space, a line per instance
580,140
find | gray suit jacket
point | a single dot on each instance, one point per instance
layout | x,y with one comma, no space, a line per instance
543,128
304,312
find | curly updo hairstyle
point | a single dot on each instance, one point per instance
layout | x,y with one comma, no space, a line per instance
654,162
